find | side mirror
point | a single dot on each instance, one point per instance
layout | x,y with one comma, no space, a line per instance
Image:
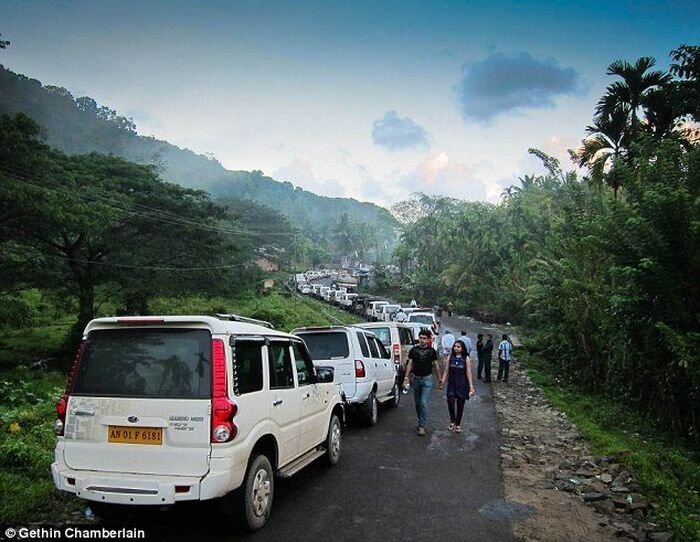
325,375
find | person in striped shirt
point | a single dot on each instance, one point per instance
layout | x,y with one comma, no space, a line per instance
505,354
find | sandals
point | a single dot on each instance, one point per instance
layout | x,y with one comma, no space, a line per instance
452,427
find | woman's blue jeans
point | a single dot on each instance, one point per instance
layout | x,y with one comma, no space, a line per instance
421,394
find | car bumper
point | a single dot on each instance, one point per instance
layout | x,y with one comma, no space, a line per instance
144,489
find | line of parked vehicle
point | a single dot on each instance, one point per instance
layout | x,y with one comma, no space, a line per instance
163,409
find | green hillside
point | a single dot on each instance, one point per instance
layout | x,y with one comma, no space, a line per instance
80,125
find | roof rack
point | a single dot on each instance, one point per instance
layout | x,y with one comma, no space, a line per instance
239,318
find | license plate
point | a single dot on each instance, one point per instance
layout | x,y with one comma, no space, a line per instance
135,435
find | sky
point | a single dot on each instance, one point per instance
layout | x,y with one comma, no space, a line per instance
370,100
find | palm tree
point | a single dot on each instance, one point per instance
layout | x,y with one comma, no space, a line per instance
625,107
630,97
604,144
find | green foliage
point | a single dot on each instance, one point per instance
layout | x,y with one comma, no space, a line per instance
27,440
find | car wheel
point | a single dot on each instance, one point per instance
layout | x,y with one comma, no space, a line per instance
371,410
258,491
333,442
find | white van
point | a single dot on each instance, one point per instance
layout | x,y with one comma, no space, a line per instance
362,366
165,409
388,312
374,308
398,338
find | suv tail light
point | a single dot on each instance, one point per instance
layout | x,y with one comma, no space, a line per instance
359,369
396,349
222,408
62,403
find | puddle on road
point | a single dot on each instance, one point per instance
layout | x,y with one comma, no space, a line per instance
502,510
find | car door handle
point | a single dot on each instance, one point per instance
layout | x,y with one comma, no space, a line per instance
277,402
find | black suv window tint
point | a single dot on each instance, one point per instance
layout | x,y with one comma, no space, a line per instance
327,345
280,361
247,367
363,344
146,363
305,367
372,347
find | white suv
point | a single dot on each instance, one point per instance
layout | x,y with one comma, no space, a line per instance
425,318
165,409
362,366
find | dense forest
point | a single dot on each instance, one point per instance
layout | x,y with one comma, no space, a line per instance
81,126
603,268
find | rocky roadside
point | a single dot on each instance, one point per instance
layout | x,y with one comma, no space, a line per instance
547,465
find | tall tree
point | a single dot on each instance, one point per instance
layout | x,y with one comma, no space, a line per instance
97,220
630,95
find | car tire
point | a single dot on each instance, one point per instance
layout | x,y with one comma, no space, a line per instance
258,492
333,442
371,410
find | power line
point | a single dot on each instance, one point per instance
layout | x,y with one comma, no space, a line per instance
133,208
151,267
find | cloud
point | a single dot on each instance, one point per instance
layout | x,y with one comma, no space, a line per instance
503,83
441,175
300,173
395,133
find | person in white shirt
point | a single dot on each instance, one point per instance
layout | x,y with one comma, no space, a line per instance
400,316
448,340
467,342
505,355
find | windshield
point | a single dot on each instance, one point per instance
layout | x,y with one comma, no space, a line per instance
383,334
332,345
146,363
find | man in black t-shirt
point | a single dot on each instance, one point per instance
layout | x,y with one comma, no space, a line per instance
421,360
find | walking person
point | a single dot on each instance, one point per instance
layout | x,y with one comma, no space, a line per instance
422,359
488,354
479,355
448,340
505,354
460,387
400,315
467,342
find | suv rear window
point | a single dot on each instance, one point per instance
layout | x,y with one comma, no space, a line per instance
146,363
333,345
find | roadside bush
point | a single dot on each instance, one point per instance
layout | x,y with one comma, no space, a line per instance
16,313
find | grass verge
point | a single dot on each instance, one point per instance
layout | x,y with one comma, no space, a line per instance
667,470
